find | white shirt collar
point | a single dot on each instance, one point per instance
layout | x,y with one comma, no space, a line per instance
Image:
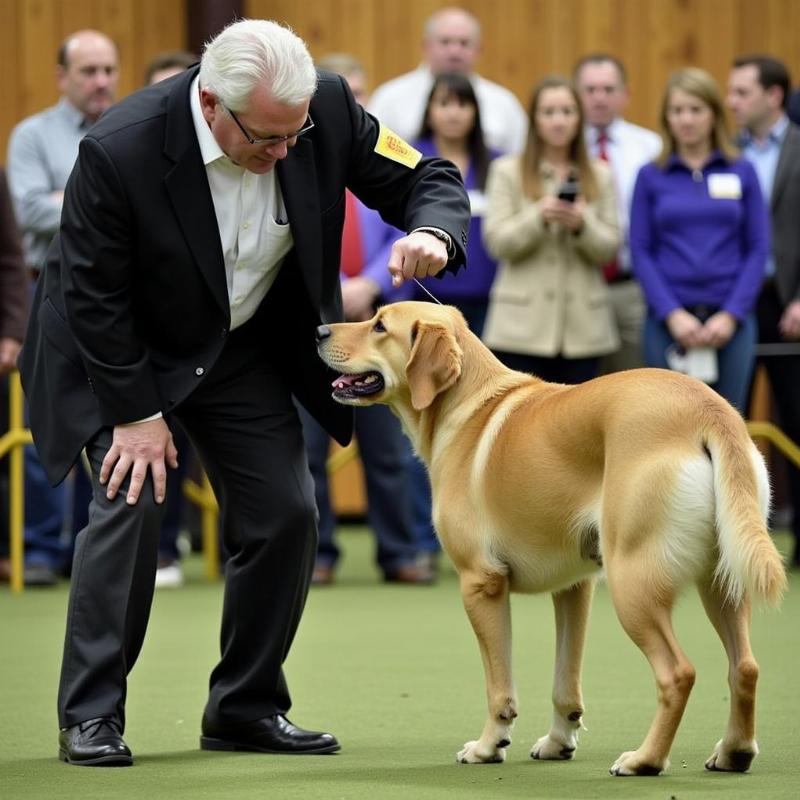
209,147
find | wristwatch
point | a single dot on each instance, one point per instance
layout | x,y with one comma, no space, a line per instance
442,236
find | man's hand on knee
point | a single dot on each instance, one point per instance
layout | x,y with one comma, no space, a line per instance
136,448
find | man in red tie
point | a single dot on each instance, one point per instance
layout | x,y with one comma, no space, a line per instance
602,85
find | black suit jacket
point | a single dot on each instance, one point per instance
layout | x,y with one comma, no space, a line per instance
785,208
132,309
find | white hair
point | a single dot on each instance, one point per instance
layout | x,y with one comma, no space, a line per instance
257,51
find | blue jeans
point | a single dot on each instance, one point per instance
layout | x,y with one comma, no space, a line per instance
45,510
735,361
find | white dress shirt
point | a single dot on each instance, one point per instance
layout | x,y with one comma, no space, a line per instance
253,225
629,147
400,105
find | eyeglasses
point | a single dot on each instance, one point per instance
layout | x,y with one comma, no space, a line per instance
268,141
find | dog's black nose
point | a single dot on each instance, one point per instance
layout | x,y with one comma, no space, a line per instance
323,332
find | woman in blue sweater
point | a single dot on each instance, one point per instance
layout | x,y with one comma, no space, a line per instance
699,242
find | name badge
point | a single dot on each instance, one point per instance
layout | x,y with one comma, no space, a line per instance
724,186
477,202
391,146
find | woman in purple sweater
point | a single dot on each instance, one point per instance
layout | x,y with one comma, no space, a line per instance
699,242
451,129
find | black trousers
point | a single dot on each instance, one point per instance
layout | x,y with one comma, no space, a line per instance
784,379
383,452
245,428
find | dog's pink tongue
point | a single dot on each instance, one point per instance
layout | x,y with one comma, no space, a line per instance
344,380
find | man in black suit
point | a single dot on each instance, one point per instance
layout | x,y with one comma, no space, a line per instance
198,252
758,90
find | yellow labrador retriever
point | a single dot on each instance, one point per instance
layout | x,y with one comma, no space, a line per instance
537,487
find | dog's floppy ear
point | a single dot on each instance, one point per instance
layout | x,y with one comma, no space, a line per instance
434,364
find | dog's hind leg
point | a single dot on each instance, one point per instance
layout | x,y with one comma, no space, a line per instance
572,613
736,750
644,608
485,595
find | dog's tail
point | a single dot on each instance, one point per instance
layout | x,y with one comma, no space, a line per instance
748,558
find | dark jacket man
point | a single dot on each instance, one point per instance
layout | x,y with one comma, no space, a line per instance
132,319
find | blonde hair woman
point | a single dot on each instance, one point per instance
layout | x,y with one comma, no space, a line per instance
551,223
699,242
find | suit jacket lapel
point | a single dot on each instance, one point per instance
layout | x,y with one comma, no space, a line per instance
187,186
789,152
298,180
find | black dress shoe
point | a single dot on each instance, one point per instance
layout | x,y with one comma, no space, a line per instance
94,743
269,735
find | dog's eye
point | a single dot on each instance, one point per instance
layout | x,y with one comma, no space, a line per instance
378,327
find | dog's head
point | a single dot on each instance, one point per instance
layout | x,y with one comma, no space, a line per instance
406,352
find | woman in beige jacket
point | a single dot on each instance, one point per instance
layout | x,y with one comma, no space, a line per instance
549,310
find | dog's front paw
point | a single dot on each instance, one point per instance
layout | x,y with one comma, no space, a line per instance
549,749
475,753
732,759
632,763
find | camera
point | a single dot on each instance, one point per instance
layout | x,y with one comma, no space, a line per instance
569,190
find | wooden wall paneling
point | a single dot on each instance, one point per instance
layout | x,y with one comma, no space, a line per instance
11,89
782,35
159,26
789,25
271,9
600,29
715,53
78,14
356,22
117,20
319,26
669,47
40,36
398,31
567,25
633,28
755,33
547,42
517,45
287,11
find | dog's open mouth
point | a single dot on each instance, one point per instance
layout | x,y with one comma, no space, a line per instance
347,387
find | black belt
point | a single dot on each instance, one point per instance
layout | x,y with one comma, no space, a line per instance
620,277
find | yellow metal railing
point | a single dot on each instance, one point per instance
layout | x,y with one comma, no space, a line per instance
12,443
766,430
202,495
